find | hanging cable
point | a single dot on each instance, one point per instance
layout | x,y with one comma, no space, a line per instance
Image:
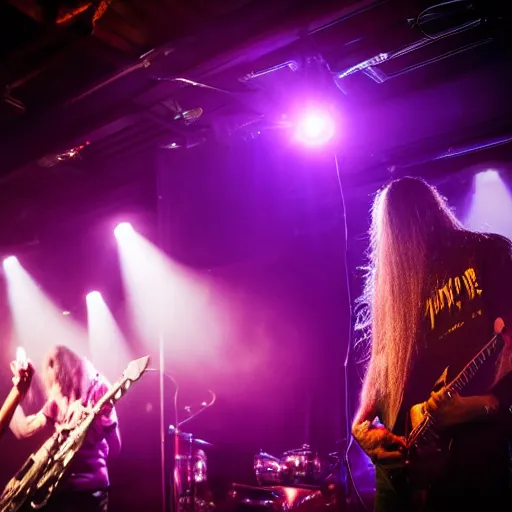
348,428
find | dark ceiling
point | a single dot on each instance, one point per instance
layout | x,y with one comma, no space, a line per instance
90,84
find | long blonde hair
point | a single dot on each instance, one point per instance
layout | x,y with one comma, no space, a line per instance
408,218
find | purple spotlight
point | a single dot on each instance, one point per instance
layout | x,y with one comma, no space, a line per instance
315,128
93,297
10,262
123,230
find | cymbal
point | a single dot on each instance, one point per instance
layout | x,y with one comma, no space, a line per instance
201,442
188,437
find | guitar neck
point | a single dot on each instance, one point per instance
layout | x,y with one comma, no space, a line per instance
115,392
469,371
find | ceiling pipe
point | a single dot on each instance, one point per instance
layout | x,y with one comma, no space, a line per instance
388,56
454,153
218,62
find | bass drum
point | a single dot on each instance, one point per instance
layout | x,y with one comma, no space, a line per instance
301,467
267,469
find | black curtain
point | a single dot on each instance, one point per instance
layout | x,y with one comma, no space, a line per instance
266,221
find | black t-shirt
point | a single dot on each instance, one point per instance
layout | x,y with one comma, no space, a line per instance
469,286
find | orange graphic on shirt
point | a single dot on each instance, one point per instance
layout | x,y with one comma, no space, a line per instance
455,293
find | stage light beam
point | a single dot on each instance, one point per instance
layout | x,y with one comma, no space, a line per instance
107,344
490,207
165,299
38,323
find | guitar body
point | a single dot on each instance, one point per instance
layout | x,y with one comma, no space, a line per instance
428,448
23,483
54,472
428,453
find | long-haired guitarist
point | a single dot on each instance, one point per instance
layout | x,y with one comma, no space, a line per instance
432,292
72,385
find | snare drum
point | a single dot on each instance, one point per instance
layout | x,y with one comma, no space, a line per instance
267,469
301,467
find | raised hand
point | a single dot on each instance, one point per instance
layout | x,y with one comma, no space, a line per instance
22,376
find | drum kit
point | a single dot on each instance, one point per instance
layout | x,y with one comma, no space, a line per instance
301,468
300,480
297,467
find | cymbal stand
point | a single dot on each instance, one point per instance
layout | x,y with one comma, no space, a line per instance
177,487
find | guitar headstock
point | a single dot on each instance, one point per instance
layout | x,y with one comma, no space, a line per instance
499,326
136,368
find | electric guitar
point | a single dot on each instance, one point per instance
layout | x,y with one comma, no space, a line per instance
43,471
428,448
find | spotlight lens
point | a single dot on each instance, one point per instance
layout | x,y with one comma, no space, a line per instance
93,296
315,128
123,230
489,176
314,125
10,262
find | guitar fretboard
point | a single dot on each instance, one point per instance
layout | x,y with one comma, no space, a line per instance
470,370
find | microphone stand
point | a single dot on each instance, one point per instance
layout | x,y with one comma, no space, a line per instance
168,472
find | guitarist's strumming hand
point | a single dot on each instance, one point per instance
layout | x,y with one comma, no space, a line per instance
381,445
448,408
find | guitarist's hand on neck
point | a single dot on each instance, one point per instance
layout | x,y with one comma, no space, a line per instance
448,409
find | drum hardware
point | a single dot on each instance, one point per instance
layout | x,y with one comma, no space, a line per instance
276,499
189,474
249,496
336,460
